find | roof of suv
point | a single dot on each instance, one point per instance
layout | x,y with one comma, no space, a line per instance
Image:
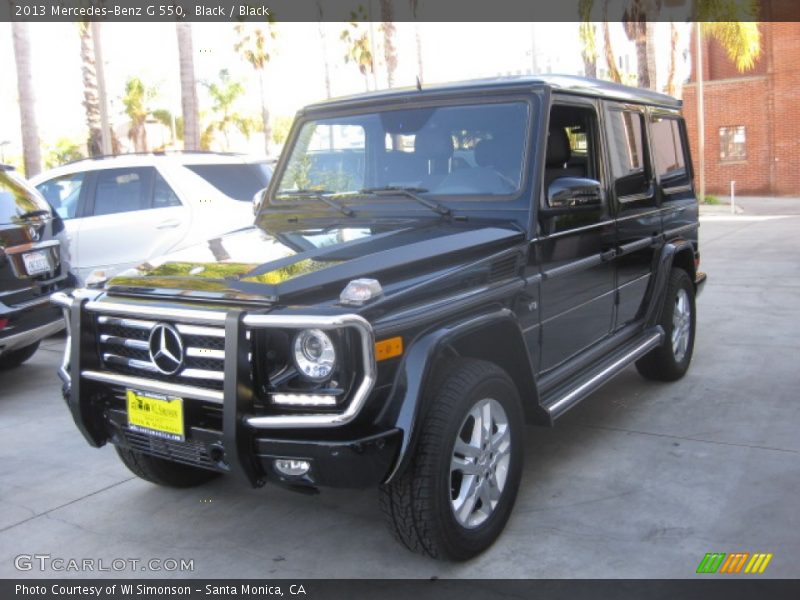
584,86
146,159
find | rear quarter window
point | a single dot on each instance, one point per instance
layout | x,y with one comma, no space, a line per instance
237,181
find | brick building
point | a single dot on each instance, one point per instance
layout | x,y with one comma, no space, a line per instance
752,119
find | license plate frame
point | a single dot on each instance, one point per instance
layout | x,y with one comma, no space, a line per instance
36,262
155,415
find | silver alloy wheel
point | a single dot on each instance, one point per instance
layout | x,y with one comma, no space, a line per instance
480,462
681,325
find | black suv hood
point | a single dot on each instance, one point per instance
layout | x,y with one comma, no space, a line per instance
310,265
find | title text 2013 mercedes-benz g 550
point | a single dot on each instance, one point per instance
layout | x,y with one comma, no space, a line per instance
429,270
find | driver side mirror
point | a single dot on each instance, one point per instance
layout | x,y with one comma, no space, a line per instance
574,192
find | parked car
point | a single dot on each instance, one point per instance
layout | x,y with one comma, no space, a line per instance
397,315
30,270
123,210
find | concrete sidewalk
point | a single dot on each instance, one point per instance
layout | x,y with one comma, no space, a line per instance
753,205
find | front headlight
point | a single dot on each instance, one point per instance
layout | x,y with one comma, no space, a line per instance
314,354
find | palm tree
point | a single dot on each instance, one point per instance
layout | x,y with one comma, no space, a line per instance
389,51
588,37
638,27
224,96
32,152
253,47
740,39
359,45
189,104
608,51
136,99
91,95
671,88
323,39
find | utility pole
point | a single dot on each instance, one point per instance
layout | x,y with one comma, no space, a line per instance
105,134
701,120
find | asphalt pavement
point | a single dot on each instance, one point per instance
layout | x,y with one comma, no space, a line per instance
642,479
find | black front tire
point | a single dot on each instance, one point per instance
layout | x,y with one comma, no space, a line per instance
666,363
418,504
163,472
16,357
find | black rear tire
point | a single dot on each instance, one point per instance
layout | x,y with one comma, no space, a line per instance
163,472
665,363
16,357
420,504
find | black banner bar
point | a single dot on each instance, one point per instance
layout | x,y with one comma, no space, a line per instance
439,589
396,10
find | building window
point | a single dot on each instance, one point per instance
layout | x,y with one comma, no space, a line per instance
732,143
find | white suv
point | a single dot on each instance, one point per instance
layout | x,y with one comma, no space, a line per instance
121,211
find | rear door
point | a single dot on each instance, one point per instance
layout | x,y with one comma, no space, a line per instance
131,214
638,217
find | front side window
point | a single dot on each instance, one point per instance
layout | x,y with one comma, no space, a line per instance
446,150
732,143
122,190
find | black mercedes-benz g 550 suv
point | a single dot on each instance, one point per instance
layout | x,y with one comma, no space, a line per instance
30,270
429,270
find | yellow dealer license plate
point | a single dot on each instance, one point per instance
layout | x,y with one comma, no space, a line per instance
156,415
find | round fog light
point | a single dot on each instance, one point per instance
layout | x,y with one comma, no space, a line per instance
291,468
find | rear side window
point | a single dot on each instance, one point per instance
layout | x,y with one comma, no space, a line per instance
63,193
122,190
628,153
18,200
239,182
668,151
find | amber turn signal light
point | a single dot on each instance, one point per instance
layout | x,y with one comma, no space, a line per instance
390,348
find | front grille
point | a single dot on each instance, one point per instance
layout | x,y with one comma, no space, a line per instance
123,348
189,452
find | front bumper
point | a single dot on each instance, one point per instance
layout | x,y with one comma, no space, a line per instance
242,443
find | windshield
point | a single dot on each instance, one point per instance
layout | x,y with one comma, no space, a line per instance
445,150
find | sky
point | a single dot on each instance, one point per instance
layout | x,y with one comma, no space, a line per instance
295,77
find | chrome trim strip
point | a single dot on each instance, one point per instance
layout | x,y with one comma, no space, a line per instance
205,317
202,331
160,387
637,245
30,336
133,363
571,267
131,323
576,394
115,340
576,230
203,374
677,189
205,353
635,197
31,247
62,299
359,396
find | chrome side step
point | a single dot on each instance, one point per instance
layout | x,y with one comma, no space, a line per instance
567,396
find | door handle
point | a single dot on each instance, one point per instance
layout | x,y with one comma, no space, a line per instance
608,255
168,224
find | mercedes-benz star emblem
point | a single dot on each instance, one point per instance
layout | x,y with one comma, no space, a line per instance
166,348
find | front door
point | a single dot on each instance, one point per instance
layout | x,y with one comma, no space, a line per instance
574,248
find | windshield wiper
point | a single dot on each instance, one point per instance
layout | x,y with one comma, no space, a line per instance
319,195
409,192
36,213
